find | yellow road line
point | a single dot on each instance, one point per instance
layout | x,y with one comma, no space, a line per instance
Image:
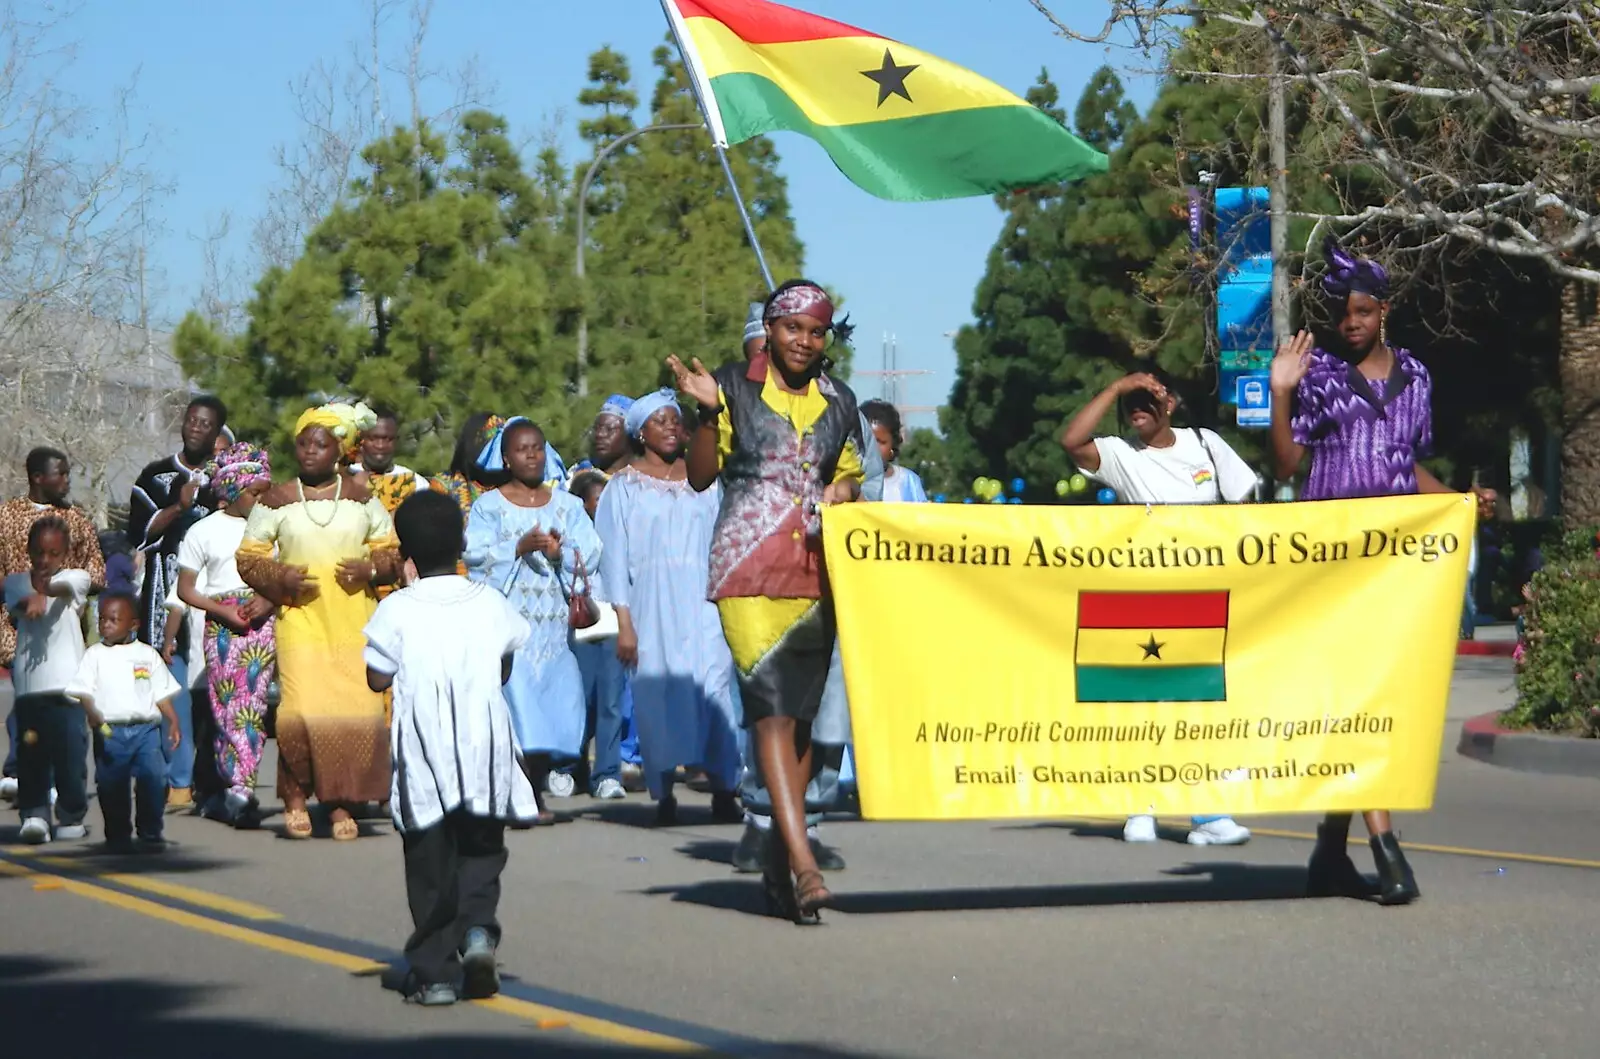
177,891
1421,847
549,1017
1456,851
544,1016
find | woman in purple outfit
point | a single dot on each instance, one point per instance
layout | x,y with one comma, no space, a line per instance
1365,416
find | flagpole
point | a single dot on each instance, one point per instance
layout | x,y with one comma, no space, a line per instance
718,133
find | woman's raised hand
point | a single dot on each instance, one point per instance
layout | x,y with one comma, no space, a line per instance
695,381
1291,363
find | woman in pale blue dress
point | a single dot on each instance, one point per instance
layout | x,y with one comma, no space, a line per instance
526,538
657,535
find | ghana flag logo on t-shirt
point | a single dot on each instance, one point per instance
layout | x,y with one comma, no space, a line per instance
1152,647
141,672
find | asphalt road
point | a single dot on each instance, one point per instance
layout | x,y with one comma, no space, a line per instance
951,940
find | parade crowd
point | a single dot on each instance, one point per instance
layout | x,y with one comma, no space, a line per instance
472,648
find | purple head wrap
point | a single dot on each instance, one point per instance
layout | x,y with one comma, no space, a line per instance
1349,274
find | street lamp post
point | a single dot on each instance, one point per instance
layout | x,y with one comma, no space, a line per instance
583,204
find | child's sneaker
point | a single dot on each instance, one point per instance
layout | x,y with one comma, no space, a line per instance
481,978
8,788
560,785
71,832
35,831
1224,832
1139,829
434,995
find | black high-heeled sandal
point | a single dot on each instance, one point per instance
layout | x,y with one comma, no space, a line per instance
811,896
778,889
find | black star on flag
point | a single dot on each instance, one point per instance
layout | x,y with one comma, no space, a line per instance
891,79
1152,649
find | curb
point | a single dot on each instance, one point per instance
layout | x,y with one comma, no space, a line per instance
1487,648
1484,740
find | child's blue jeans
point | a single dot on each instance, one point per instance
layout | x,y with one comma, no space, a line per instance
131,753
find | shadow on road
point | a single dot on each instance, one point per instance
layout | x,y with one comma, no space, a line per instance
1192,883
92,859
138,1018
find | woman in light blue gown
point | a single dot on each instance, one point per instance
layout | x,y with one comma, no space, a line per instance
526,539
656,532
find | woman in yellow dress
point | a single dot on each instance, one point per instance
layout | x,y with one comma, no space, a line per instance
334,544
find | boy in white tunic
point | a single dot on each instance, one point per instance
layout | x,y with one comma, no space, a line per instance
445,645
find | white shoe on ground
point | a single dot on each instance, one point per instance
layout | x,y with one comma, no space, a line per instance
35,831
560,785
71,832
1224,832
1139,829
609,790
8,788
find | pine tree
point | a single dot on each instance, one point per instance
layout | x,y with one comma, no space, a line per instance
670,269
428,291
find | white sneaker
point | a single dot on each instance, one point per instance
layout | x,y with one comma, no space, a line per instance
609,790
1139,829
1224,832
35,831
71,832
8,788
560,785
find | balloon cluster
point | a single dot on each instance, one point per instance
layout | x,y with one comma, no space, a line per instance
1073,486
993,491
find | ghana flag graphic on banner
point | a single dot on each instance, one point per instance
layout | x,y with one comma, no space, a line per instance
900,123
1152,647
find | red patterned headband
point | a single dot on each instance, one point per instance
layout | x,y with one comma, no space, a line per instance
804,300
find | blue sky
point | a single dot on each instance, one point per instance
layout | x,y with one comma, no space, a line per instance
212,89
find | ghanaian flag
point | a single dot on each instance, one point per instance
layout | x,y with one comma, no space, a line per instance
897,121
1152,647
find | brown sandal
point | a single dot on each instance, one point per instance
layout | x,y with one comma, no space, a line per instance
296,823
346,830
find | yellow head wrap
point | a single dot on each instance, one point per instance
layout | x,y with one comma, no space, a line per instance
344,421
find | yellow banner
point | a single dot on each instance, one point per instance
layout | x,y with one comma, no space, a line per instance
1064,661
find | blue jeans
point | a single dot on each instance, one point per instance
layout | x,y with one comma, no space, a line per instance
55,755
604,685
132,752
180,762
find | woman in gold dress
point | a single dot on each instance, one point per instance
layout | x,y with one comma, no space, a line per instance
318,546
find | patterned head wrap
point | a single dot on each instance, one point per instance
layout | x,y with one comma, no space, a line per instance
344,421
236,468
755,325
801,300
490,457
616,405
647,406
1348,274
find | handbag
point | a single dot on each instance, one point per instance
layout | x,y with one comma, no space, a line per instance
582,611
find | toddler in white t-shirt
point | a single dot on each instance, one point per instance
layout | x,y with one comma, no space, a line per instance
127,691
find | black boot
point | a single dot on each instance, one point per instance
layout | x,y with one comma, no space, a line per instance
1396,884
1331,872
725,808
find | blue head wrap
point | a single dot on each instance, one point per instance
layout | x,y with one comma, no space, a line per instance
647,406
616,405
492,457
754,325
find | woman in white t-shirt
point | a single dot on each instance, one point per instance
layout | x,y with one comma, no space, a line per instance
1163,464
241,654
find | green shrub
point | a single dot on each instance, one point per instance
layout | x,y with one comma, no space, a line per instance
1558,656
